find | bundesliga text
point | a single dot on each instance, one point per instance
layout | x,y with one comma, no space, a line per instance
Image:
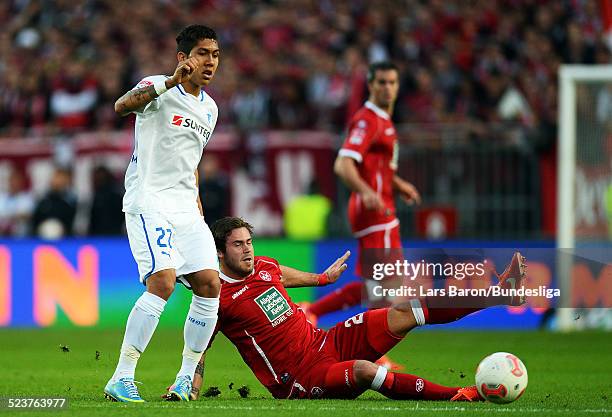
455,291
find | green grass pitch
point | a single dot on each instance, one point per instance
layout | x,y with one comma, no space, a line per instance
569,374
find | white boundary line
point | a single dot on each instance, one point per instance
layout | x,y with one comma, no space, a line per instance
358,408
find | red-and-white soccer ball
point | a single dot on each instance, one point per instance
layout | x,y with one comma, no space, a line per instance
501,377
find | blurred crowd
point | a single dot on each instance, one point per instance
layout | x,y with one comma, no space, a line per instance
294,64
54,214
58,212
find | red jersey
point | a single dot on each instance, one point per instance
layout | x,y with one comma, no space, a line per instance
372,142
270,331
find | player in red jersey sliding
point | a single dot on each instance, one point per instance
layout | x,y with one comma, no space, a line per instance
367,164
294,359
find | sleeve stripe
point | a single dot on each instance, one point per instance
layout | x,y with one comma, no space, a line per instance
351,154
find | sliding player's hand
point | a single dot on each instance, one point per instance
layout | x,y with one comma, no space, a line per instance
336,269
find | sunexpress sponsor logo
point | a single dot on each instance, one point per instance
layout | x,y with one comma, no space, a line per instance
182,121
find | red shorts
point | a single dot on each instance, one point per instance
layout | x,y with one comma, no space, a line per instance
365,336
387,237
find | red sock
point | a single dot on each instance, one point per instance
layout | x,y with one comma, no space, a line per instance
345,297
438,310
446,315
411,387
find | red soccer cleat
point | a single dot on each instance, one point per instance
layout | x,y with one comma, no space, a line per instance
512,277
389,364
467,394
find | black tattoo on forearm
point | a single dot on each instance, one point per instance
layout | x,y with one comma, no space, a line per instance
135,99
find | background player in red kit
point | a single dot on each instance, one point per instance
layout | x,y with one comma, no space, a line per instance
294,359
367,163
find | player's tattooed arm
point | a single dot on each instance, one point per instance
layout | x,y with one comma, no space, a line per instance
140,97
135,99
198,379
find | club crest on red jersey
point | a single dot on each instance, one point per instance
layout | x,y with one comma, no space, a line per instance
265,275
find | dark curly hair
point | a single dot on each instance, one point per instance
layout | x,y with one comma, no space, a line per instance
222,228
189,37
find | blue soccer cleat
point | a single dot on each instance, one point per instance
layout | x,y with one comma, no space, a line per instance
123,390
180,390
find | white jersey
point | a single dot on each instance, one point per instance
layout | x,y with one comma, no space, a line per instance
170,135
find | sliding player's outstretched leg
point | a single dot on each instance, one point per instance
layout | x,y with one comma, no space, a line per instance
439,309
382,329
350,379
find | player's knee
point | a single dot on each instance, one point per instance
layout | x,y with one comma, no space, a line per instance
400,319
205,283
162,283
403,307
364,372
403,310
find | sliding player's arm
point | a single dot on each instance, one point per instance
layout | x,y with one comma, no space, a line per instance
346,168
138,98
198,376
198,379
406,190
294,278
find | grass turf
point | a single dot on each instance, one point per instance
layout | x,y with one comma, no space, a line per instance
569,374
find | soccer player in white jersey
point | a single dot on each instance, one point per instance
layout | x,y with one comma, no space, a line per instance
168,236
